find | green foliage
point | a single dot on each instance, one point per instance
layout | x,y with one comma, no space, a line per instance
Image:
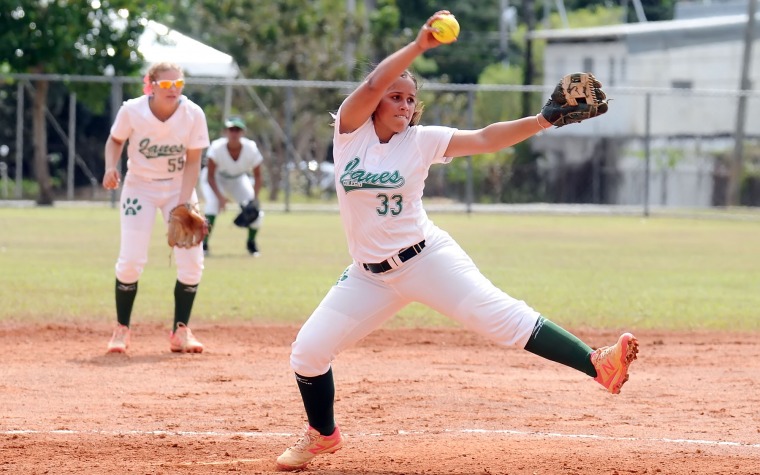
496,106
663,158
384,31
654,10
289,39
71,37
29,188
593,16
295,39
478,42
103,42
502,170
587,17
67,37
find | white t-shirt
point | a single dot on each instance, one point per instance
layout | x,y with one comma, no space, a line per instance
226,166
380,186
157,149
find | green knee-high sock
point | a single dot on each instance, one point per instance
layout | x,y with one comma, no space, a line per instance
210,218
252,234
184,296
318,394
125,299
553,342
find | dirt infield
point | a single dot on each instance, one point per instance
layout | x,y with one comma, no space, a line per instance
434,401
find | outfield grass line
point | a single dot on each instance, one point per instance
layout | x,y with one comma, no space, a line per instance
559,435
433,205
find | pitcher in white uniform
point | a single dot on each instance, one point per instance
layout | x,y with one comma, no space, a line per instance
382,157
166,133
232,162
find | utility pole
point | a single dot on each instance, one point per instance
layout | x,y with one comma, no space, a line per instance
529,15
349,54
638,8
639,11
562,13
733,190
503,31
560,4
507,24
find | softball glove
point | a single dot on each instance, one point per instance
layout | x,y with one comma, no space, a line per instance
248,214
577,97
187,227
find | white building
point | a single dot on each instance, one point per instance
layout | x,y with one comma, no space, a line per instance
687,67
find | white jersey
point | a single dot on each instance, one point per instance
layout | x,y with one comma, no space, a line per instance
380,186
157,149
226,166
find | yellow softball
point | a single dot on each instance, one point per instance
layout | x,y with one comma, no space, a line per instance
447,28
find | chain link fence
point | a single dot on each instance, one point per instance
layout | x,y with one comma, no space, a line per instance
660,148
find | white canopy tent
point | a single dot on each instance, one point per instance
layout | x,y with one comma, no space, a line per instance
160,43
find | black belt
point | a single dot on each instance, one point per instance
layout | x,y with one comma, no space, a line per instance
403,256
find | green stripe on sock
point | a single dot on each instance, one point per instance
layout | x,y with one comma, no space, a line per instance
210,218
553,342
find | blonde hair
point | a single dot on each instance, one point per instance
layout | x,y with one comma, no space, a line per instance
161,67
153,71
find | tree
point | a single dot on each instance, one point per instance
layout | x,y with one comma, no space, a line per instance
70,37
293,39
478,45
654,10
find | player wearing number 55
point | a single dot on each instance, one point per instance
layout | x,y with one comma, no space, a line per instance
382,157
166,133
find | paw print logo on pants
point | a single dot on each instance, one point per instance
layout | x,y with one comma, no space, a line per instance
131,207
343,276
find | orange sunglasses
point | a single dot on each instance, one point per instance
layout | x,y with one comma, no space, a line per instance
166,83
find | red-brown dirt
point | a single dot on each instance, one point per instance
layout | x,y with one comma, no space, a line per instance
422,401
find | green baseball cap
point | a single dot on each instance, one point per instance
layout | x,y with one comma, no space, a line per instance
234,122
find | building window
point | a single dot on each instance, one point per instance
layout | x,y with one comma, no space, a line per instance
622,70
681,84
588,65
612,72
561,67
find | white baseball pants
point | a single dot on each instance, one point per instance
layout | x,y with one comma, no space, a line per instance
140,198
443,277
239,188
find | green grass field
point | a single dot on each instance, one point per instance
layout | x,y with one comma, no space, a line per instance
57,264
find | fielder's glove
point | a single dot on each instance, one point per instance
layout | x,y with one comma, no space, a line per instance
187,227
248,214
577,97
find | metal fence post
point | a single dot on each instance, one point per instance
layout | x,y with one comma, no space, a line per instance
116,100
4,178
288,153
470,121
19,138
647,157
227,101
736,167
72,145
